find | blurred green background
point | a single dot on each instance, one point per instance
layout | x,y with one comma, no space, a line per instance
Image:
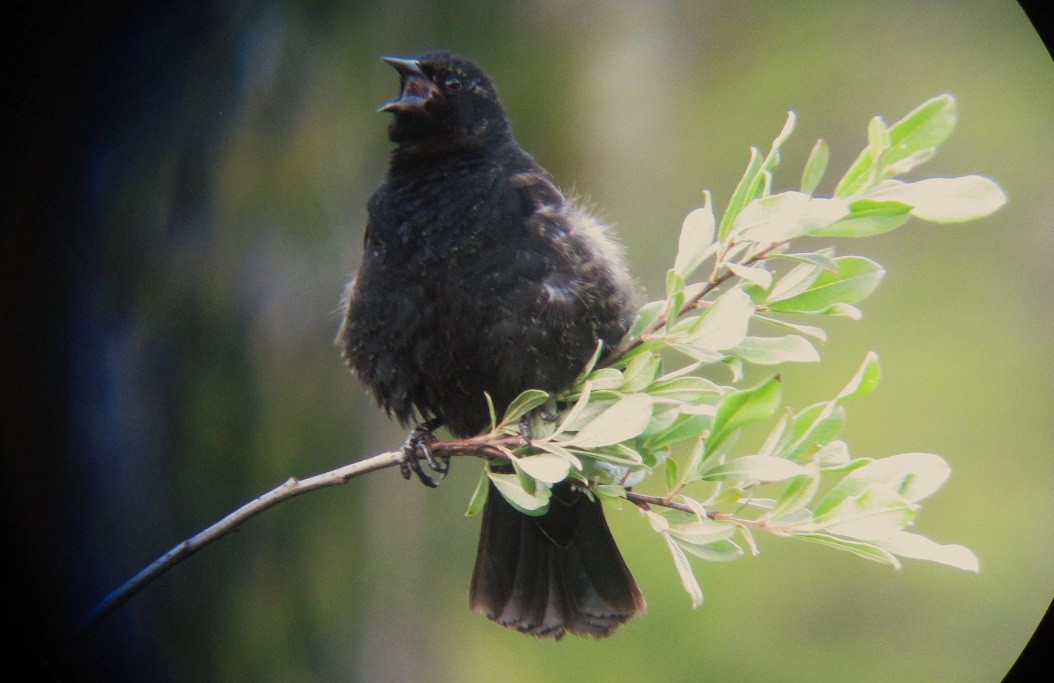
225,208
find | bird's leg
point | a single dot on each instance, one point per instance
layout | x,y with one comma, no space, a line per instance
416,448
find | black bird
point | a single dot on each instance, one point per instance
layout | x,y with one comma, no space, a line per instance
477,276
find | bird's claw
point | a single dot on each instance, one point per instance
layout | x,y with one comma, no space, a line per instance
418,447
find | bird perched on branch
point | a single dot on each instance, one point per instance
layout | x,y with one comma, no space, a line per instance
478,275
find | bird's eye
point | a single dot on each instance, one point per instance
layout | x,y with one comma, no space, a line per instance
452,83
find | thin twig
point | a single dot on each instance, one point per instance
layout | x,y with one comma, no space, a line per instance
291,488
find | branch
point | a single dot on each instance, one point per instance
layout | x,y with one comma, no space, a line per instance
291,488
494,445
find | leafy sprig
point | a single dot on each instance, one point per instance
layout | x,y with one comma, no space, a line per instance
645,407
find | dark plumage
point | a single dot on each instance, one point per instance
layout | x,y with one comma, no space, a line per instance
479,276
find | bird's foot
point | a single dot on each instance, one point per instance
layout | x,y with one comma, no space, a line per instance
542,413
418,447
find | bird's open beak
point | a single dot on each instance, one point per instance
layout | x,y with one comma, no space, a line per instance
417,88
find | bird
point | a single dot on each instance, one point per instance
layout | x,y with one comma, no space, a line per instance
479,277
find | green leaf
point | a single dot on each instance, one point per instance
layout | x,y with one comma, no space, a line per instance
725,323
775,350
716,551
546,467
920,132
771,219
754,468
820,423
796,281
490,411
772,159
744,193
671,473
610,493
739,408
945,200
858,548
856,278
523,404
640,373
510,487
914,137
865,380
913,476
697,235
674,297
689,388
576,409
815,167
758,276
867,217
702,533
877,143
873,513
647,315
590,365
919,547
800,490
621,422
616,454
479,496
606,378
812,428
684,427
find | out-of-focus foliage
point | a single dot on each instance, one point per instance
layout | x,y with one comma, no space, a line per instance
228,197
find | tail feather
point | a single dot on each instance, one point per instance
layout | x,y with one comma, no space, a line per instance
554,574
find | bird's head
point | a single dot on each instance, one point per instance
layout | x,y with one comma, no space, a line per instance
444,100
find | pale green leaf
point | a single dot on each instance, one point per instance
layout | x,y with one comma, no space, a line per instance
523,404
701,532
856,278
775,350
946,200
739,408
546,467
858,548
723,550
754,468
919,133
622,421
479,496
747,188
640,373
796,281
697,234
725,323
758,276
576,409
510,487
646,316
799,491
815,167
684,570
867,217
918,547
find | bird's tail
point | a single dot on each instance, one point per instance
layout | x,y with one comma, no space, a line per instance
557,573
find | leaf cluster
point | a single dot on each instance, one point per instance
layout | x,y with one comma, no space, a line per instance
655,405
